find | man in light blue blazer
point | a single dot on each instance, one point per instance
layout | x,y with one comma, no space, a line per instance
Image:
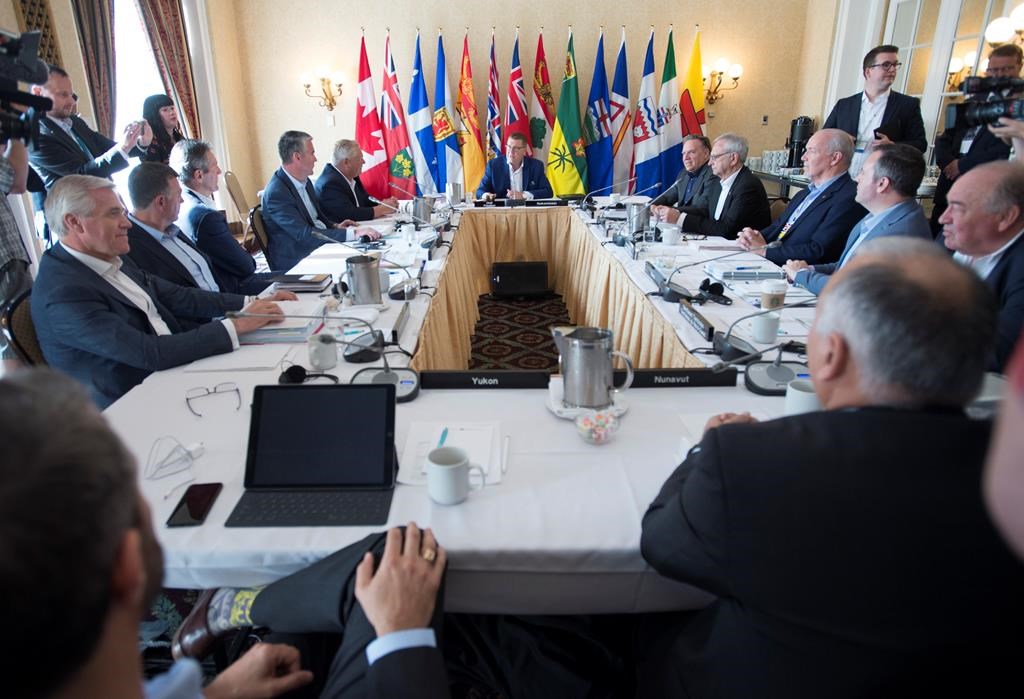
886,186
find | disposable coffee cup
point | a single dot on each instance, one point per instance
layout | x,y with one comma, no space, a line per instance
800,398
670,234
773,294
765,328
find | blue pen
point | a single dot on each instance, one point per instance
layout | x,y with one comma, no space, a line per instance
444,436
738,269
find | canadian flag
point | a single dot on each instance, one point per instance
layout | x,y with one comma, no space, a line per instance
369,134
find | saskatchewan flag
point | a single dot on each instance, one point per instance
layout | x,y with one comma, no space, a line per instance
567,158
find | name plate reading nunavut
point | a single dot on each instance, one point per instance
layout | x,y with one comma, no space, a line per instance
678,378
484,379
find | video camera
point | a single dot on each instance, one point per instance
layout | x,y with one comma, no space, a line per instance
19,62
977,112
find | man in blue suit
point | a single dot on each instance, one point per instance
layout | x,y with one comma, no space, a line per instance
983,226
342,195
879,114
106,322
815,224
516,176
886,187
195,165
296,224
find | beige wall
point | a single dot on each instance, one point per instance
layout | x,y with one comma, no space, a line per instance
259,60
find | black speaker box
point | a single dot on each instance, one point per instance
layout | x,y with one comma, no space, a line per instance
519,279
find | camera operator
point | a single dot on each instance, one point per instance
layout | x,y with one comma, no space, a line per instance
962,147
14,260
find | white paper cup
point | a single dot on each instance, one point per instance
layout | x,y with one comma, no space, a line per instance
800,398
670,233
765,328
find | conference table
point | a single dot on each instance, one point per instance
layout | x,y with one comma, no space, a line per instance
560,532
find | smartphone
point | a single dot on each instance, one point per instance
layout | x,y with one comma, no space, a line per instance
194,505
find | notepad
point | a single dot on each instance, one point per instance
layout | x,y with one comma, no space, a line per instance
481,440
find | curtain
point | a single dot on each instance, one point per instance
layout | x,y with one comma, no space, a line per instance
95,20
164,22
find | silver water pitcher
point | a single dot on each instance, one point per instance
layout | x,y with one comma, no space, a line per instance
585,361
422,208
363,274
454,193
637,218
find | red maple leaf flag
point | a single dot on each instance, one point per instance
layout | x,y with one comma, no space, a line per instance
369,134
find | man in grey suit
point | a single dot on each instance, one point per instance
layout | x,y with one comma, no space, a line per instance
886,186
693,180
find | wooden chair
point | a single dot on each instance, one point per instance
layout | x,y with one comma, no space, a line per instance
778,206
259,231
20,331
236,194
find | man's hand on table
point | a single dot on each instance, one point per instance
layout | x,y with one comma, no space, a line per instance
794,266
259,307
749,239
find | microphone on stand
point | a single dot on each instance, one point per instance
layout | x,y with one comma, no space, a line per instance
744,358
403,191
368,347
328,239
769,246
734,349
766,378
604,189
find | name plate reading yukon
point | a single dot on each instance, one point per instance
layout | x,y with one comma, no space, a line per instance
678,378
484,379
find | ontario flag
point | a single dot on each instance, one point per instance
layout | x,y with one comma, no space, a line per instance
646,148
691,103
493,107
469,135
622,122
542,109
401,171
369,134
516,120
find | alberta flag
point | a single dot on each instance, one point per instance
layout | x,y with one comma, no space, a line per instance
597,128
646,148
447,125
401,171
622,122
421,127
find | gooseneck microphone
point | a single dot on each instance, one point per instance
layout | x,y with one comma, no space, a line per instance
328,239
403,191
733,349
605,189
368,347
744,358
770,246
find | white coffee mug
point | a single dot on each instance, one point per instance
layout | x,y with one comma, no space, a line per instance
765,328
448,471
670,233
800,398
323,352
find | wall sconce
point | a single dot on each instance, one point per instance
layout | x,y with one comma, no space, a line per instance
713,79
329,90
959,69
1004,30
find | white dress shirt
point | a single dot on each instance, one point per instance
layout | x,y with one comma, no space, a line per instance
112,274
515,178
870,119
984,265
726,186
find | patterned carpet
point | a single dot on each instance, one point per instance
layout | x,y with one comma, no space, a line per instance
514,334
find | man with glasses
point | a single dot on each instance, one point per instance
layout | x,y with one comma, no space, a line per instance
962,147
733,201
879,114
516,176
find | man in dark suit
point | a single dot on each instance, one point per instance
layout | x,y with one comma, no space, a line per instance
693,180
105,566
885,187
983,226
847,546
106,322
342,195
733,201
205,224
296,224
67,146
516,176
817,221
879,114
961,148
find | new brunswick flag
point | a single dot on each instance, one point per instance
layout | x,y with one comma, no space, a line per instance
469,135
567,159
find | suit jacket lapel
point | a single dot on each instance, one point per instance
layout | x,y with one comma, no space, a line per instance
60,134
140,277
158,250
94,280
283,176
